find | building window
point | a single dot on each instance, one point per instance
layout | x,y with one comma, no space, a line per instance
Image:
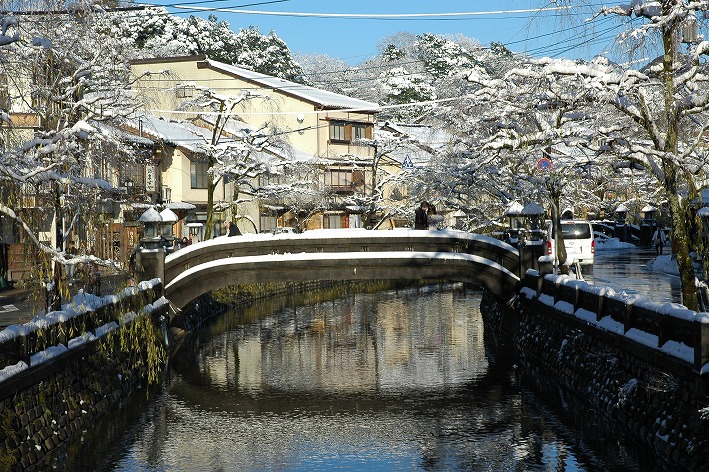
359,131
199,173
344,132
339,180
265,180
268,223
338,131
184,91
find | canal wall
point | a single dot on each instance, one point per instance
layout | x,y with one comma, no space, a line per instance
642,365
63,370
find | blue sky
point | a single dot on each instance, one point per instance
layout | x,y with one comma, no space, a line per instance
540,33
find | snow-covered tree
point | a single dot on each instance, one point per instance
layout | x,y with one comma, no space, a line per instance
653,118
155,33
70,86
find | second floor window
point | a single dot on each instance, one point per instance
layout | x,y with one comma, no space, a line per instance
199,174
359,131
337,131
345,132
184,91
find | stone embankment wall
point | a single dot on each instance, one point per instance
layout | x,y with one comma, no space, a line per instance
638,363
62,371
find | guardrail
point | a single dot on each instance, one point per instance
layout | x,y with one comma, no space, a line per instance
669,327
86,318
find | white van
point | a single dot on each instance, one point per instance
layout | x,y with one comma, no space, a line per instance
578,241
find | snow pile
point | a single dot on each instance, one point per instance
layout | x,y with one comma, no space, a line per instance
47,354
103,330
81,340
674,348
664,264
11,370
80,304
11,332
609,244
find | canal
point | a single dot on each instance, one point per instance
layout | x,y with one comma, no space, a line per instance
400,380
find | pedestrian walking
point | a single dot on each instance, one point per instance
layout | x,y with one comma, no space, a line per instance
658,239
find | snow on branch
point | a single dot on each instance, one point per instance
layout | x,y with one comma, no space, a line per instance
6,23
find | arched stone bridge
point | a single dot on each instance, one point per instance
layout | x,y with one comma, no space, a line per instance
341,255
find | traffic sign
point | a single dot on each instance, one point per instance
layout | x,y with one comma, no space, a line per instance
544,164
407,164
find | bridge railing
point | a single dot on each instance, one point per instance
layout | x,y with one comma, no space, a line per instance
666,327
331,241
92,316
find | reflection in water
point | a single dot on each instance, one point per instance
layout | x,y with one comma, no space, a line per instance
390,381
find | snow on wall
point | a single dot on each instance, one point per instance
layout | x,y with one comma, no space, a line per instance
79,305
606,323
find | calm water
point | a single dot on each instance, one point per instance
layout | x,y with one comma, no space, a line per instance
390,381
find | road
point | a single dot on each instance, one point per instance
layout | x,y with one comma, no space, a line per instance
626,270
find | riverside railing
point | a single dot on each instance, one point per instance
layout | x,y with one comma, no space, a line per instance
667,327
85,318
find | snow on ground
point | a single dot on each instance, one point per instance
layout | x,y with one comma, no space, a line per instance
608,244
664,264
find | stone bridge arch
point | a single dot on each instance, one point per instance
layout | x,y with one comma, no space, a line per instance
342,266
334,255
341,255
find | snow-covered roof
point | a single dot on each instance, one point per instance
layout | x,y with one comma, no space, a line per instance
313,95
241,129
122,135
423,142
533,208
171,132
514,208
435,137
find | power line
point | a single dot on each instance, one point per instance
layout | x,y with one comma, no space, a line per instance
369,16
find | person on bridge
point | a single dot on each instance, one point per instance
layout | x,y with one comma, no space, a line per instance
421,216
233,229
658,239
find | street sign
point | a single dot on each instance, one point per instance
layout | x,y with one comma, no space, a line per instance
407,164
544,164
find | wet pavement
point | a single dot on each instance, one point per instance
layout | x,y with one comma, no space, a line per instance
626,270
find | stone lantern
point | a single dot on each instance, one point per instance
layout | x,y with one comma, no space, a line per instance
169,218
514,213
152,221
621,213
648,213
620,230
647,224
533,213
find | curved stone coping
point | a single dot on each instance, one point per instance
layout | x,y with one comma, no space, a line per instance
341,266
333,241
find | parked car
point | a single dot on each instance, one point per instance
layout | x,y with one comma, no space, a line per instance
578,241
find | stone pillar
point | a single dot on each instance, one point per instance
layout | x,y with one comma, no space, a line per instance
150,263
